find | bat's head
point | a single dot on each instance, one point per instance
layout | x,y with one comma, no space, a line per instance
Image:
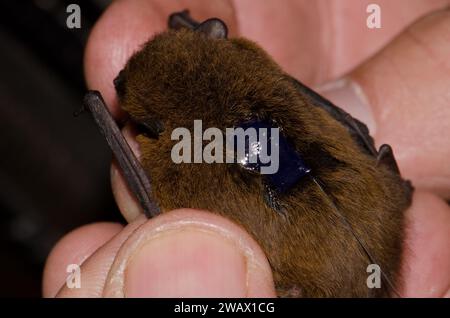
182,75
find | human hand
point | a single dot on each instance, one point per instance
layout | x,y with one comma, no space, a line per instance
402,93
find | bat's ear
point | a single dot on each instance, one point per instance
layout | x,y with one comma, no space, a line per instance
119,84
213,28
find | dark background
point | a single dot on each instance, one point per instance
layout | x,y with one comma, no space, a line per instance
54,168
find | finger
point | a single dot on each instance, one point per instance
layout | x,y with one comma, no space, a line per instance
403,93
74,248
316,41
426,259
183,253
94,269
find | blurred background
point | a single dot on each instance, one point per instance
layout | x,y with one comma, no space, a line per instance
54,168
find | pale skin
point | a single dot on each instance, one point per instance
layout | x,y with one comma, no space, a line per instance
402,72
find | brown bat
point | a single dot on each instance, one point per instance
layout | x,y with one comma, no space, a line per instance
336,204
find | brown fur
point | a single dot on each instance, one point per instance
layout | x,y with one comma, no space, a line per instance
180,76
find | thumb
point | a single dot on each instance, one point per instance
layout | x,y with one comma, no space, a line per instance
183,253
402,94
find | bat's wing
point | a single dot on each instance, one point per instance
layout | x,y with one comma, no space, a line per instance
357,129
134,174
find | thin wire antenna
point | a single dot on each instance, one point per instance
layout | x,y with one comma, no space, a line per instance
359,240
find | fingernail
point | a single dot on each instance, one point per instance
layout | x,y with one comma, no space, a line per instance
127,203
349,96
187,262
189,253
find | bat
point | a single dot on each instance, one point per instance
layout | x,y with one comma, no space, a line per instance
335,205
